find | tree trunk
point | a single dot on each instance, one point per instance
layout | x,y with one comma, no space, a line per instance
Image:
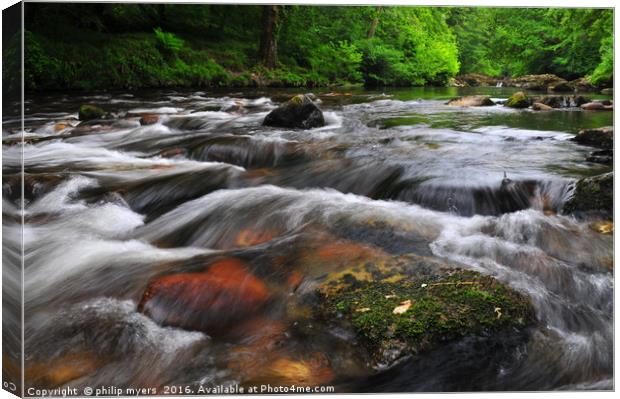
374,24
268,44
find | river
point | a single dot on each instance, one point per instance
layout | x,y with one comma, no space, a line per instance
111,205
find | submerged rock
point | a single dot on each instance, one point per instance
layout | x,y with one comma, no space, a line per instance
592,194
298,112
518,100
602,137
413,304
149,119
602,156
471,101
209,301
88,112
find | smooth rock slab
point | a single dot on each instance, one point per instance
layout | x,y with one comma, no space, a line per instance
471,101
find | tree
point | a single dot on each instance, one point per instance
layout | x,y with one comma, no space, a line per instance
374,24
268,43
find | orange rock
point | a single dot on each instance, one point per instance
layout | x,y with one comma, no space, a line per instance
343,252
60,126
173,152
149,119
258,365
249,237
209,301
294,279
62,370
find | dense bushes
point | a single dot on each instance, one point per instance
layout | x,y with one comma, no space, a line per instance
87,46
510,41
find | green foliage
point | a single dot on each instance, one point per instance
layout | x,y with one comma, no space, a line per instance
510,41
604,71
343,62
168,41
97,45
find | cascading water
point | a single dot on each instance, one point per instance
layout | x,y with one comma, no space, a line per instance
111,205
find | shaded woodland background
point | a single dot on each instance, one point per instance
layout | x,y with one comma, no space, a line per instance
95,46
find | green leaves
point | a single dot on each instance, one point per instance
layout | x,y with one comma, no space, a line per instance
168,41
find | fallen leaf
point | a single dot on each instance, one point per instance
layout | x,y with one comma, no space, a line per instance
499,312
402,308
362,310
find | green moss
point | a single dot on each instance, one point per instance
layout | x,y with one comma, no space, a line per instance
88,112
593,194
454,305
518,100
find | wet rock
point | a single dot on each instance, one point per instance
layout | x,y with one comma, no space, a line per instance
149,119
474,80
535,82
298,112
596,106
471,101
541,107
62,369
608,90
518,100
592,194
90,112
605,157
562,101
561,87
581,84
414,304
603,227
210,301
602,137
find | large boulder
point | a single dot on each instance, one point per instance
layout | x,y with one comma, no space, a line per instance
592,194
412,304
518,100
535,82
581,84
89,112
471,101
299,112
602,137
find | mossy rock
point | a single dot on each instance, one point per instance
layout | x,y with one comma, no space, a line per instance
602,137
592,194
299,112
408,313
88,112
518,100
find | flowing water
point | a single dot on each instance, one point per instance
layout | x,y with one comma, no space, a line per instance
110,205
